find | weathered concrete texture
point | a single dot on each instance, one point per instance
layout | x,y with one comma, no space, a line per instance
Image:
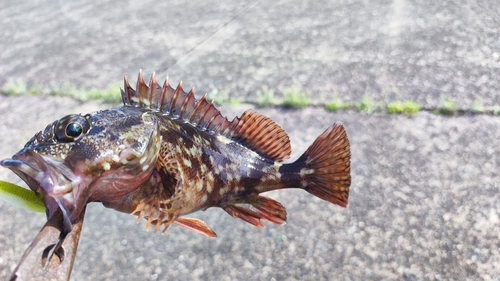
425,192
428,51
423,206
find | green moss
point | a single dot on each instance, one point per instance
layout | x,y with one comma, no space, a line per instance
14,87
408,107
447,107
496,110
477,106
366,104
111,94
294,97
17,87
336,104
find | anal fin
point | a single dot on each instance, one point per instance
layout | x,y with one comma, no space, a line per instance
195,225
253,209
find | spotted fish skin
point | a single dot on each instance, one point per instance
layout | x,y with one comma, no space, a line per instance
163,155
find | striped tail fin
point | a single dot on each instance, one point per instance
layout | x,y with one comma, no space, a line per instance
325,167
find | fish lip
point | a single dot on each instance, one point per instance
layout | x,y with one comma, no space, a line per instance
39,171
29,167
26,172
47,177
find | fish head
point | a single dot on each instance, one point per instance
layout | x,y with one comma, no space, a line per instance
78,159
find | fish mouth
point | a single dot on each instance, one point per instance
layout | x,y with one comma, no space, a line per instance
49,177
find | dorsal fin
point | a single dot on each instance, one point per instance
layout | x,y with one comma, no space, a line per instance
174,102
260,133
252,129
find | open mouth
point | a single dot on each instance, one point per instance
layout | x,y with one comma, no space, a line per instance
48,177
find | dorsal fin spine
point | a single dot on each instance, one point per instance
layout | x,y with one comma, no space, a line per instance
152,90
197,108
166,87
186,103
203,116
218,127
174,99
125,91
156,98
142,90
212,118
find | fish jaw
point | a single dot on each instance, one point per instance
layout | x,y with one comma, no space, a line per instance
71,181
58,184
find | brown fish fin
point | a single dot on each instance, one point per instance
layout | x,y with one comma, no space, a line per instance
174,102
144,96
259,133
325,167
251,129
163,218
253,209
167,160
150,210
195,225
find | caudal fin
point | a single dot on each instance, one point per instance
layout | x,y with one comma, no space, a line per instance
325,167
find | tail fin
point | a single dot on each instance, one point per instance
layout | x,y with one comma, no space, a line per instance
325,167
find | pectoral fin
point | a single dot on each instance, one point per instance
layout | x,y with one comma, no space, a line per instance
253,209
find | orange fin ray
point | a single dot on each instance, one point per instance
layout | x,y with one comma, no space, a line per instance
195,225
251,129
261,134
253,209
165,219
326,166
146,209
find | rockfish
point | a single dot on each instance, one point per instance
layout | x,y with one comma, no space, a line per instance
163,155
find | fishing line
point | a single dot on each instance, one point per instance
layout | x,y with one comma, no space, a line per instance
215,31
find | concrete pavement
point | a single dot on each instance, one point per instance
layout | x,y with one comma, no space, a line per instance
424,197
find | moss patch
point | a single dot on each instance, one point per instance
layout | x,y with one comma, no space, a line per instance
407,107
17,88
295,97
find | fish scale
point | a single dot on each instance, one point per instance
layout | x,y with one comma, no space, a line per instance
163,155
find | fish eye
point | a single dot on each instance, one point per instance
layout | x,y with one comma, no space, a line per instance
70,128
74,130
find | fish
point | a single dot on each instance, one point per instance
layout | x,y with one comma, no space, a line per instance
163,154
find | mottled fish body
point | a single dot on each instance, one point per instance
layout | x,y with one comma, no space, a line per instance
163,155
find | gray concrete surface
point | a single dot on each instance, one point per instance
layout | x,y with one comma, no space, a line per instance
424,199
401,49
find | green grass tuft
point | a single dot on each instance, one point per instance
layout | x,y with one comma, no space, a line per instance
111,94
449,105
336,104
17,87
221,97
496,110
367,104
408,107
477,106
266,97
294,97
14,87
